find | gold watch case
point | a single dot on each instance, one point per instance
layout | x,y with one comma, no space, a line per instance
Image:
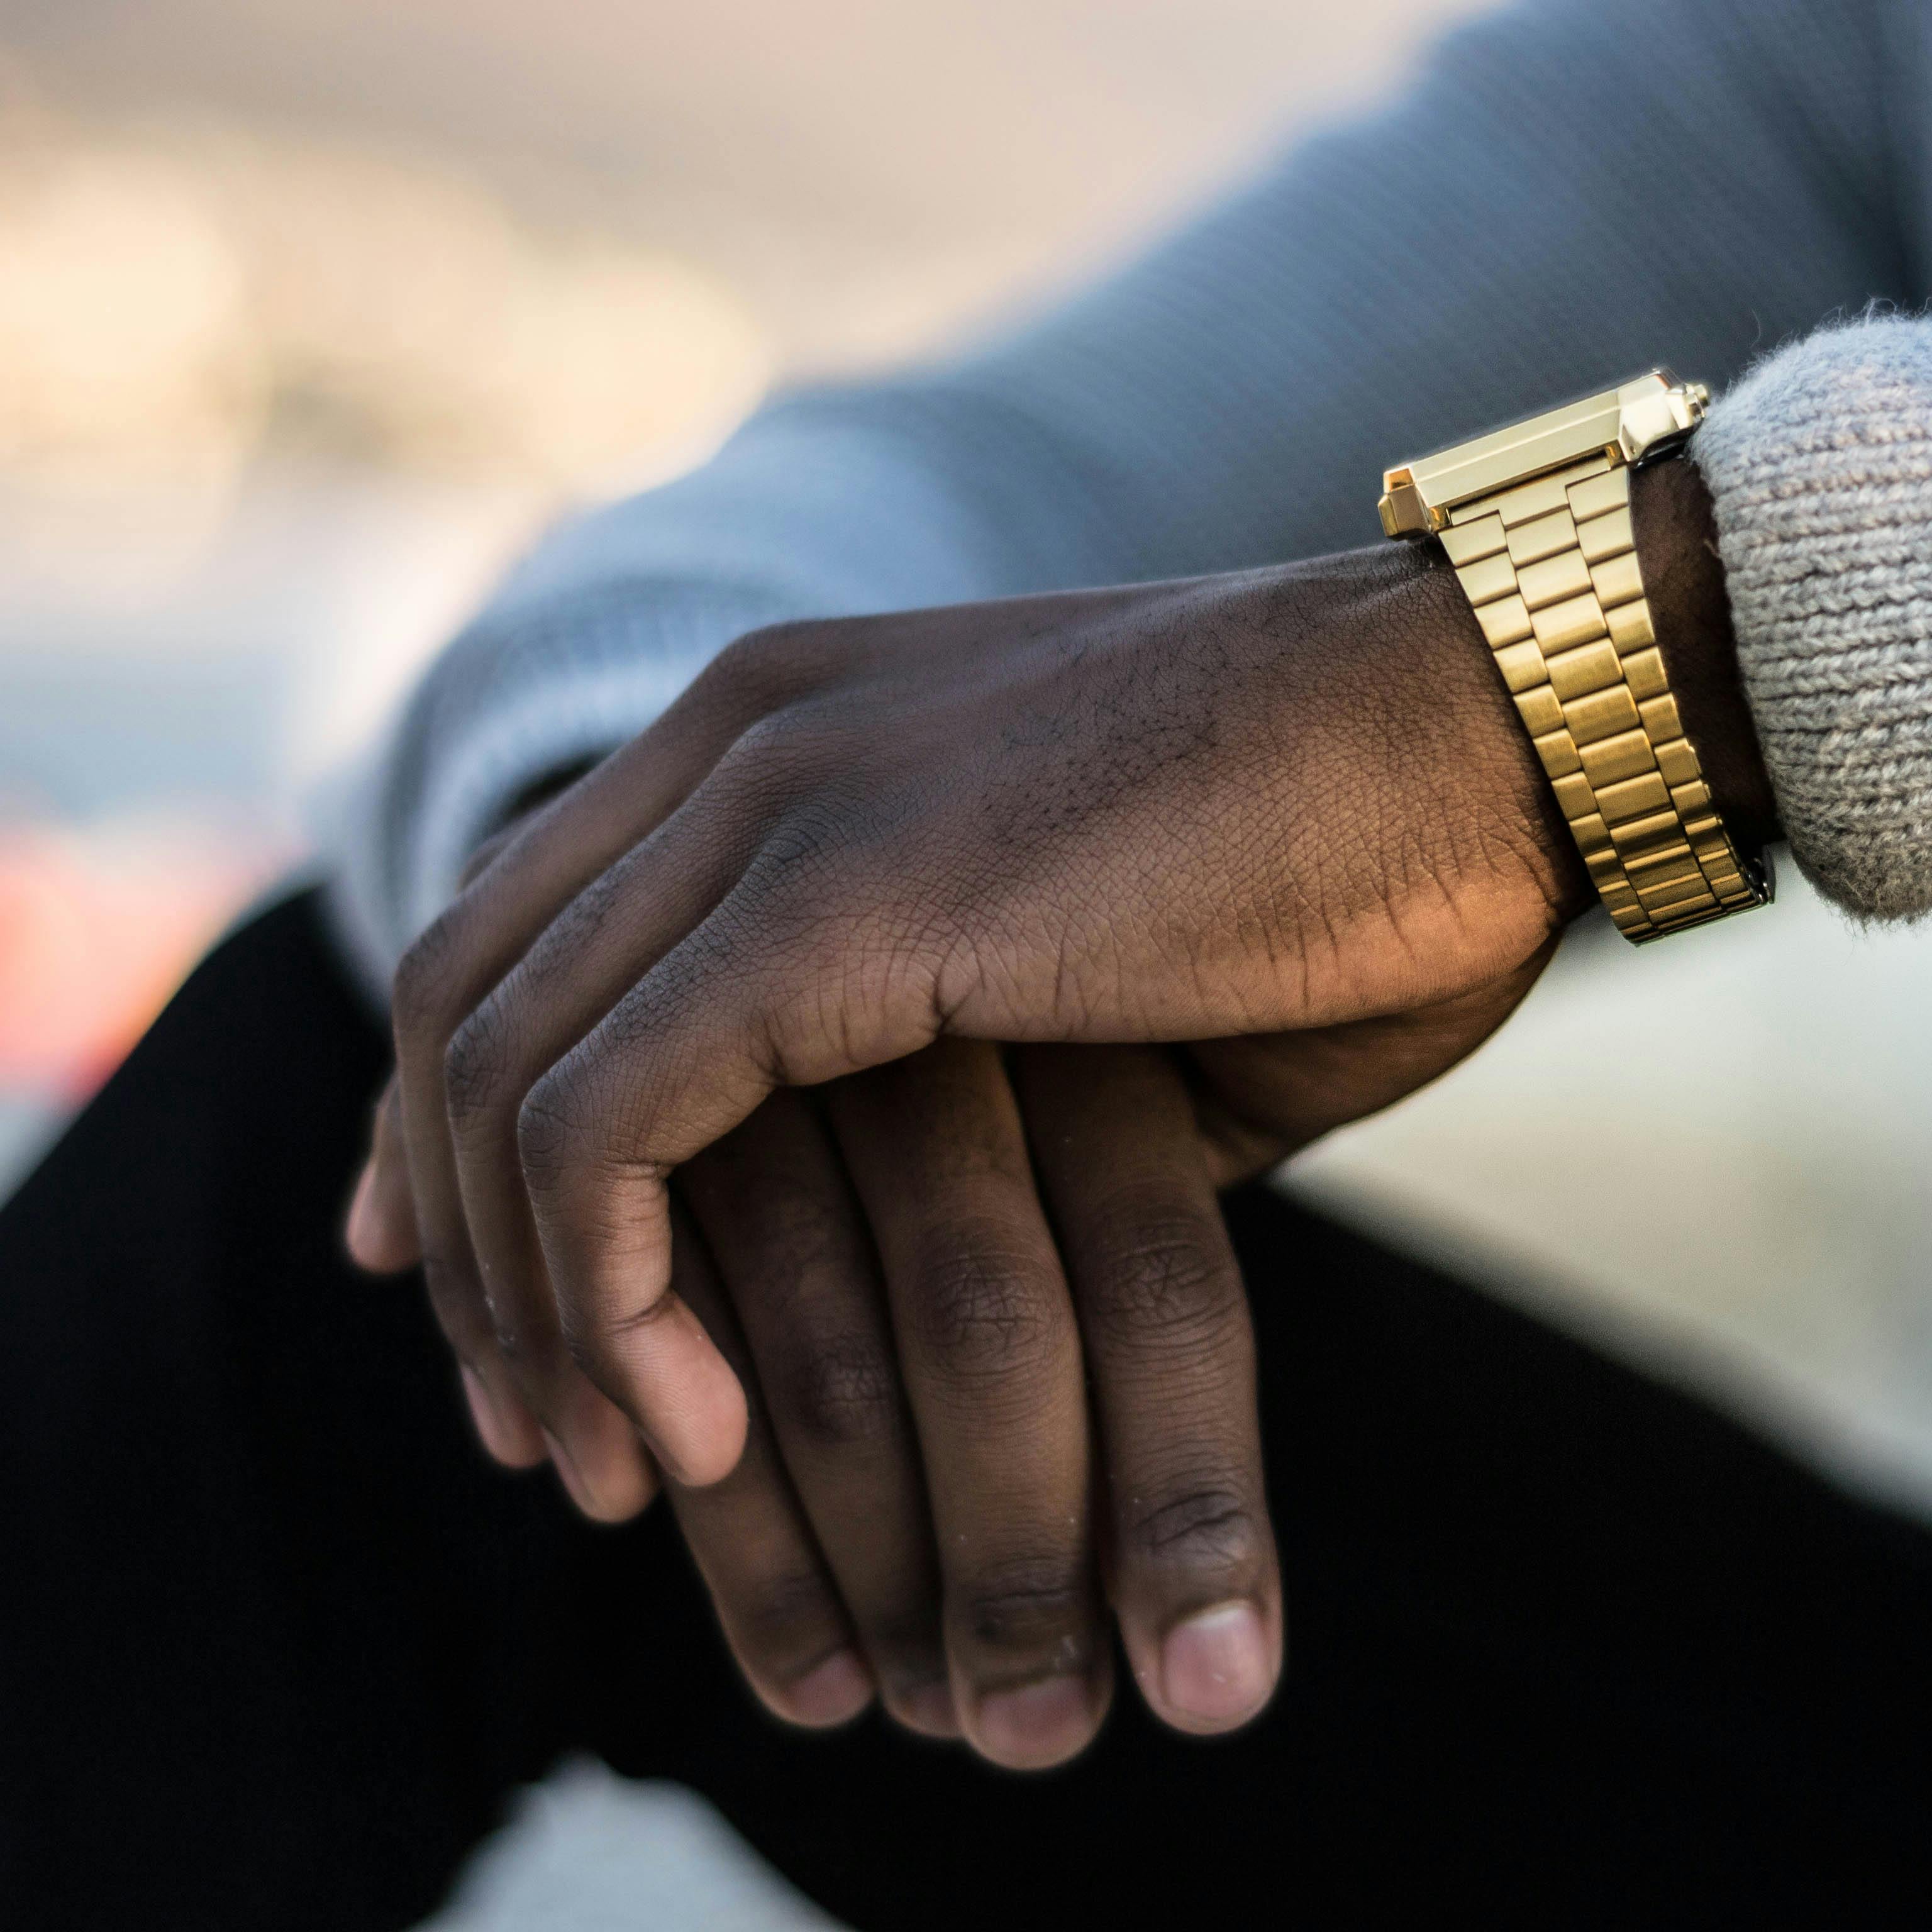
1649,416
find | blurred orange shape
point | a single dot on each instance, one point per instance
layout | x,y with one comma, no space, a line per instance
97,927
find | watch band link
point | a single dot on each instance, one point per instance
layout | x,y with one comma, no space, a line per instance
1552,570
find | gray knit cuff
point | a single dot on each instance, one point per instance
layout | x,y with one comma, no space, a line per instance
1820,465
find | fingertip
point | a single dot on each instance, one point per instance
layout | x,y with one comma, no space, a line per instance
379,1231
600,1461
831,1693
1037,1726
612,1492
699,1436
359,1232
660,1367
507,1431
1215,1670
695,1464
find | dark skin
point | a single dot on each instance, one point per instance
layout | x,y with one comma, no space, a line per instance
1677,541
935,1340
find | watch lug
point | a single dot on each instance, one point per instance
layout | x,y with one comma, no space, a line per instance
1404,514
1657,415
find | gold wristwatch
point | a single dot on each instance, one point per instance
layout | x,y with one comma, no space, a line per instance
1536,519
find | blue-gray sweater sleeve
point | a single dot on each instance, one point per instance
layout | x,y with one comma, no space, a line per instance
1567,191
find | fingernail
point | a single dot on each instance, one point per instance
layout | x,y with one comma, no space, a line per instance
831,1693
1037,1724
928,1709
1215,1666
360,1233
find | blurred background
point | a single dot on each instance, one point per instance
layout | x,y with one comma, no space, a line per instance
311,311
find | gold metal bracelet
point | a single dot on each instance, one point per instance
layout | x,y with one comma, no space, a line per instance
1549,564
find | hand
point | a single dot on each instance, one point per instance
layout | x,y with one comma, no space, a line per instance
820,1548
1253,1100
979,1442
929,1500
922,1516
1289,802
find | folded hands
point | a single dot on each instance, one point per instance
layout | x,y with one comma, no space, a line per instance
818,1110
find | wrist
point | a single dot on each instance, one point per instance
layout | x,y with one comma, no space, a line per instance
1684,577
1492,785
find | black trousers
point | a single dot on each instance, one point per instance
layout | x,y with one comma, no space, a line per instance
276,1643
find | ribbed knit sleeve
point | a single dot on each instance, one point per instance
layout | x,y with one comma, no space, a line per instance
1569,192
1819,464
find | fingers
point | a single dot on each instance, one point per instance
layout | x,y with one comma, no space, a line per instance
520,877
381,1237
990,1359
780,1609
564,1339
441,979
1170,1354
381,1229
777,1215
511,893
681,1059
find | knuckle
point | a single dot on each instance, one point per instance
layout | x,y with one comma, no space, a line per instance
484,857
748,657
576,928
786,1612
776,649
734,672
550,1130
1164,1277
979,1306
843,1393
755,671
425,989
803,845
1207,1526
458,1304
476,1066
1025,1605
595,1336
769,762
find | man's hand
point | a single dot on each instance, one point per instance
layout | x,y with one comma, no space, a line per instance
929,1507
1295,800
1284,802
983,1447
921,1509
